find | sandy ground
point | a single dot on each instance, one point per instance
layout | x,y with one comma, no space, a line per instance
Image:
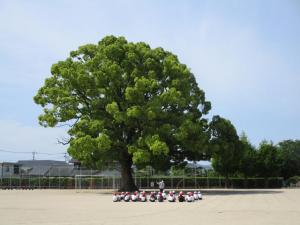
226,207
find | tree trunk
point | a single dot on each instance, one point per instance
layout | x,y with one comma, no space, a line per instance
126,173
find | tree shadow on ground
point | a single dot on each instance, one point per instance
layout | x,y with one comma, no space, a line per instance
239,192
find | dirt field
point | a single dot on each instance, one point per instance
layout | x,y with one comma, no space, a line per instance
226,207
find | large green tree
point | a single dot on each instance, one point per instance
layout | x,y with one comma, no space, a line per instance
289,153
268,161
226,148
126,102
249,157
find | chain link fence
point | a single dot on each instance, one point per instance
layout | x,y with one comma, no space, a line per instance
64,178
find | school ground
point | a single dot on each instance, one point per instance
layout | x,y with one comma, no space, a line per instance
222,207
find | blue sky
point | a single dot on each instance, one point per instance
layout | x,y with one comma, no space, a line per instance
244,54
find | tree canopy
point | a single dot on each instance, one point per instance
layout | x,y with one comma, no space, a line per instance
268,161
248,158
289,154
225,146
126,102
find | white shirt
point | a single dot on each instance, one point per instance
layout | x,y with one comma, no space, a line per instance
161,185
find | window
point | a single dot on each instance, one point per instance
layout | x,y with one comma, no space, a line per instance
16,169
6,169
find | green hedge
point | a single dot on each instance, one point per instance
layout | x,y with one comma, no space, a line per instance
37,182
293,180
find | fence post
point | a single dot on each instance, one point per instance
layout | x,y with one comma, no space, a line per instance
91,179
140,182
195,182
2,175
207,184
49,185
20,181
148,181
183,181
114,182
80,177
39,178
266,182
59,177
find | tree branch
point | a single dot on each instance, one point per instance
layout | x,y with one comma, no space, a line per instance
64,141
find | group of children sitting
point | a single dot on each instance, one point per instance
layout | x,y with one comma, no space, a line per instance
159,197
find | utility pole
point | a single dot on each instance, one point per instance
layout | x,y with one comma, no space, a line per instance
66,157
33,155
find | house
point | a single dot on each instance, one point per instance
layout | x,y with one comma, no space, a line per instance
49,168
35,168
202,164
9,169
44,168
